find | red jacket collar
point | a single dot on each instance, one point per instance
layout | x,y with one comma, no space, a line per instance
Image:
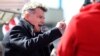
94,6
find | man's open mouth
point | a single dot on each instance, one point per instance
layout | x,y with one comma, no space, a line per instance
40,25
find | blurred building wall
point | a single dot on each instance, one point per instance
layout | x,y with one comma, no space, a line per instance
12,4
70,8
53,15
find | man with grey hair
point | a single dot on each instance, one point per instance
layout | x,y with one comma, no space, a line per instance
26,38
82,35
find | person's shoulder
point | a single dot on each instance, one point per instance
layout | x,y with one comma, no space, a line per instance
18,26
13,30
81,15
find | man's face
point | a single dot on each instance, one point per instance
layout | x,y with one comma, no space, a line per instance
37,19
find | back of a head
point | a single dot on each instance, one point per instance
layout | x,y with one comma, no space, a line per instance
95,1
86,2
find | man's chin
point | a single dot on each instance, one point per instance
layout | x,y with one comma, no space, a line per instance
37,30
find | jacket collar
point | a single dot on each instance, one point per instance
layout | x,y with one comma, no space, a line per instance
27,25
91,7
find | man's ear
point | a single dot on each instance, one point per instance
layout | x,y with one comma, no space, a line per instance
26,15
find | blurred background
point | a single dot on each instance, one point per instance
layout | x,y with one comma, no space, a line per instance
57,10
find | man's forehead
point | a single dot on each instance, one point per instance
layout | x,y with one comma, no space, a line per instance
39,11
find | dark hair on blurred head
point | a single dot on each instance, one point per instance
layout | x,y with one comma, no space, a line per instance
86,2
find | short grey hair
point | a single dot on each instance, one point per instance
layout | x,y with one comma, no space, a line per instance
33,6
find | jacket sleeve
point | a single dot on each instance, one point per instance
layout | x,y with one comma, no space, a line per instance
19,39
68,43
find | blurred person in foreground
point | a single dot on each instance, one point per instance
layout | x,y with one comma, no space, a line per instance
26,38
82,35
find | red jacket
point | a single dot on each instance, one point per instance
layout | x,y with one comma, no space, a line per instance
82,36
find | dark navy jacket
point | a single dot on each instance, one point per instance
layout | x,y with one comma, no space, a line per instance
23,41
